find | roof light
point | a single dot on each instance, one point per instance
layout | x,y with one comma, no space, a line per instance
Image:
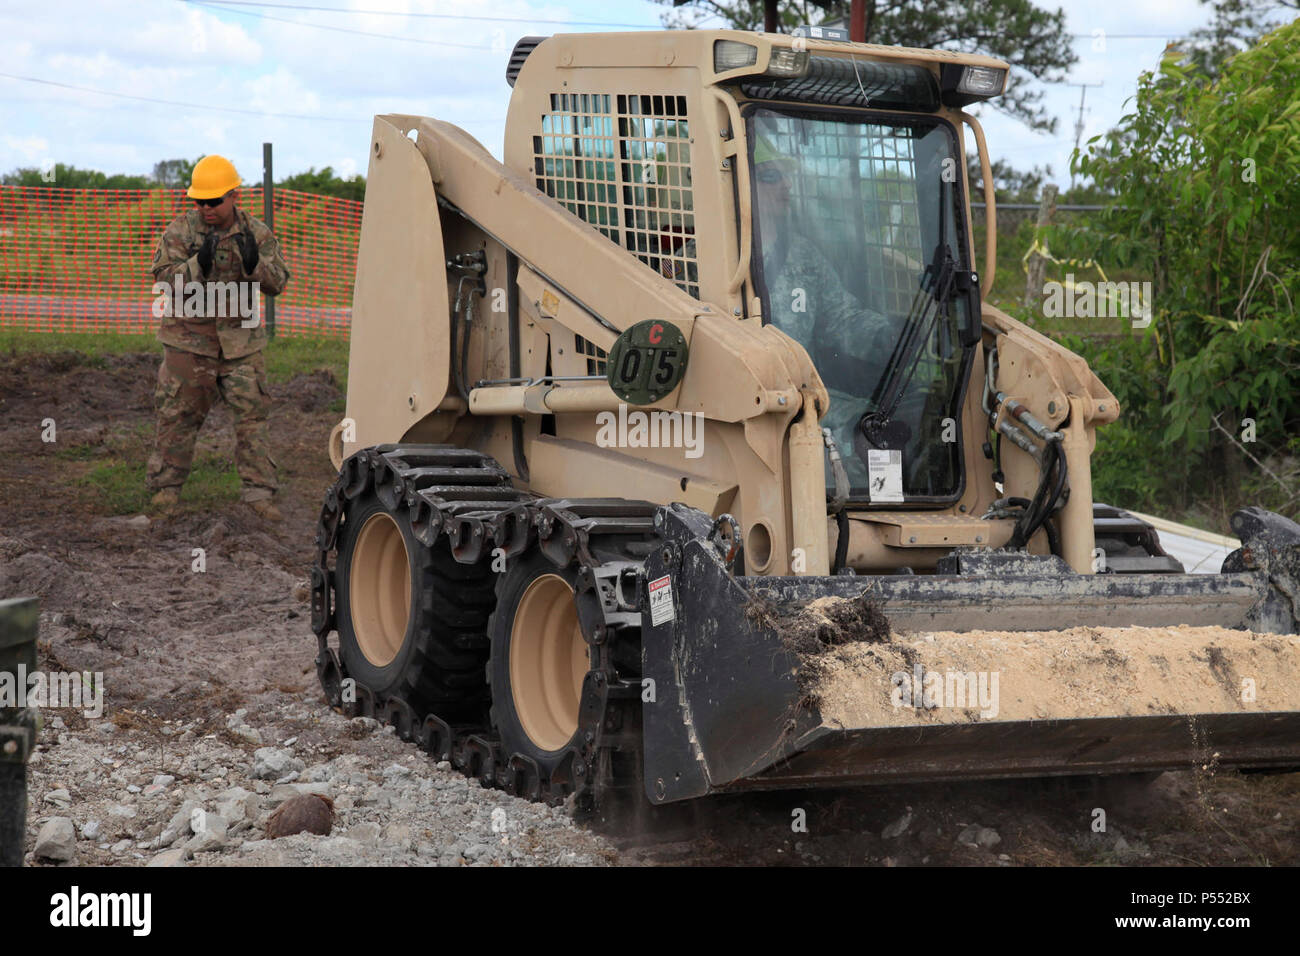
962,85
733,55
787,62
981,81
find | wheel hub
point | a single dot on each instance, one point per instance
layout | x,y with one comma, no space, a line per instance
548,661
379,595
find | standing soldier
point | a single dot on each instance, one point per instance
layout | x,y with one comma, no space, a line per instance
212,349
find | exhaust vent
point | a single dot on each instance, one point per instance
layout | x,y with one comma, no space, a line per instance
525,46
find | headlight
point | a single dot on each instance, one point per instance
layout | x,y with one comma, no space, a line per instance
962,85
732,55
981,81
785,63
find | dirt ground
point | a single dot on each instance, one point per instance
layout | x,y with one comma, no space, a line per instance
182,652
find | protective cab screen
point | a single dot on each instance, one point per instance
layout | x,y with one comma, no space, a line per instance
847,217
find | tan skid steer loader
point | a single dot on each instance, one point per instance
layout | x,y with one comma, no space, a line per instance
682,453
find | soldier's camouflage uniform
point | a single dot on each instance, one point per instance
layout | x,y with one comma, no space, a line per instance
849,344
207,356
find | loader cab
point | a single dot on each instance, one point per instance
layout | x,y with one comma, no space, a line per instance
862,253
853,222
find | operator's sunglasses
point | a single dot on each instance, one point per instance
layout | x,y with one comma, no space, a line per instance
210,202
768,174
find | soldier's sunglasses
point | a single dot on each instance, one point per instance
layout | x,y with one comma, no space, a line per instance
210,202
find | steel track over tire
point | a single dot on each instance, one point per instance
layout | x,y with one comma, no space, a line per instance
411,619
538,661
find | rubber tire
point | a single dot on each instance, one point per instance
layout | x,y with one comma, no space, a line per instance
439,666
510,590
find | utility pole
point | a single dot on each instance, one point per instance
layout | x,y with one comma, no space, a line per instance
1078,126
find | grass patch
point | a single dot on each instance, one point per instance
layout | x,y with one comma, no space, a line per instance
116,486
285,357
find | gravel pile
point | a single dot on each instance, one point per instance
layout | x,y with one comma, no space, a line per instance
167,796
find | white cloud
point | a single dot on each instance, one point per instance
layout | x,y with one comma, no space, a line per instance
33,149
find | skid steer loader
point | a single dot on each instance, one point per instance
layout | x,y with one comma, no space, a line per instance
681,448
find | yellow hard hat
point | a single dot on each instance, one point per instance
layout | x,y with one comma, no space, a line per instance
213,176
765,152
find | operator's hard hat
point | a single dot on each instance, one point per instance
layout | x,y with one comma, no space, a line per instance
213,176
765,152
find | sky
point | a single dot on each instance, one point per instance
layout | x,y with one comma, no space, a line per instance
230,77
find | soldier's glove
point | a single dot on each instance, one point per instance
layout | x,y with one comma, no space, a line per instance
206,250
248,250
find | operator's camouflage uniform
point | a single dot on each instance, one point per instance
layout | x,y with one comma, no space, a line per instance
849,344
207,356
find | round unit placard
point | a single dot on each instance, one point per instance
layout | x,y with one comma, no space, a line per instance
646,362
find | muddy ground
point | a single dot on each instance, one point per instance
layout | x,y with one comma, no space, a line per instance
211,700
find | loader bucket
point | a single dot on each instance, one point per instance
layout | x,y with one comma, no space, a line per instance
1020,667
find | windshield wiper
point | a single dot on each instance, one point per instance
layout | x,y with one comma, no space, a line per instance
941,281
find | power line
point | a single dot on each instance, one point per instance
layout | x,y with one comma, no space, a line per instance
322,26
571,23
188,106
428,16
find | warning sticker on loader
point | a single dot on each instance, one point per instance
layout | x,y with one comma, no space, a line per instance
661,600
885,474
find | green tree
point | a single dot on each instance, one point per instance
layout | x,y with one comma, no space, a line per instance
1033,40
173,173
1237,25
325,183
70,177
1206,172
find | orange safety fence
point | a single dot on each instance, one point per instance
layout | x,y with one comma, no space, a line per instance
77,260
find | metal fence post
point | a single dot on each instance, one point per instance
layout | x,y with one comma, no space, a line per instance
268,216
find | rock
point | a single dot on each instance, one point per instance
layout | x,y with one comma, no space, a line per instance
320,773
121,846
251,734
898,827
978,836
91,830
60,797
175,857
132,789
290,742
211,834
57,839
237,804
304,813
360,726
163,779
180,825
396,770
364,833
476,850
153,789
122,810
272,763
106,727
398,834
138,523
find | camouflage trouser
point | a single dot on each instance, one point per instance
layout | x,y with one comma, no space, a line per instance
188,385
